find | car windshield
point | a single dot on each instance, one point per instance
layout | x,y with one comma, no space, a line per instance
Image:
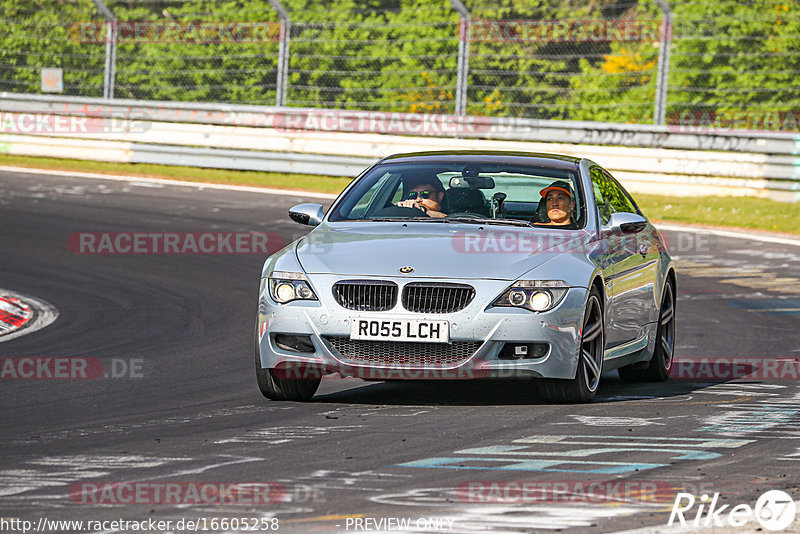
464,192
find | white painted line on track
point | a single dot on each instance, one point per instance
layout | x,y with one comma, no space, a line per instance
44,315
754,236
142,181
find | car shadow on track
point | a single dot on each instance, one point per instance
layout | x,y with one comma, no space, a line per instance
490,391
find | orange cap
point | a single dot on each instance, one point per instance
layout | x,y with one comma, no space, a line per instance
555,188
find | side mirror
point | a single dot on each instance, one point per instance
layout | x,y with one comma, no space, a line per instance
624,223
309,214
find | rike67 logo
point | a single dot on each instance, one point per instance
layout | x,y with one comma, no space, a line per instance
774,510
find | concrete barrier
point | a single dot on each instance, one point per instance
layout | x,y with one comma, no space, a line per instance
654,160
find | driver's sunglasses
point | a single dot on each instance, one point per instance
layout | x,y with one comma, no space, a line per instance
422,194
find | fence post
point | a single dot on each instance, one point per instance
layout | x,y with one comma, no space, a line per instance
662,81
463,56
283,53
110,71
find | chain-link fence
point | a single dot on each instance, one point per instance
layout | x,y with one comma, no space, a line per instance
37,36
735,63
636,61
585,61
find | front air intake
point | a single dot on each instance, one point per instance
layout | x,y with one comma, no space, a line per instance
365,295
437,297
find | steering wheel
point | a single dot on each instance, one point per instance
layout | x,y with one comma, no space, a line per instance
401,212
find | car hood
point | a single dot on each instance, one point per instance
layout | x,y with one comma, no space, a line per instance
433,249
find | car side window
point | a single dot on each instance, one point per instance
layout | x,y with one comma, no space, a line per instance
600,186
366,202
617,196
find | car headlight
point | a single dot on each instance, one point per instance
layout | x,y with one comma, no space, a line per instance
534,295
285,287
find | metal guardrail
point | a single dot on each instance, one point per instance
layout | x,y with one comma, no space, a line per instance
646,158
517,129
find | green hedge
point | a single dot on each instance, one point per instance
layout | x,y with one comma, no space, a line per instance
401,55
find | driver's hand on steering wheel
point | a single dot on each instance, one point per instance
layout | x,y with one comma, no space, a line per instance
412,204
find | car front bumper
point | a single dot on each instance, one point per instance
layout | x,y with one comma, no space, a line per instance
478,335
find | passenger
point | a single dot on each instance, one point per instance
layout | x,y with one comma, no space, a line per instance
425,196
559,202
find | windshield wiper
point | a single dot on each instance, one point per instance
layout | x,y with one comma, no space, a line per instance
482,220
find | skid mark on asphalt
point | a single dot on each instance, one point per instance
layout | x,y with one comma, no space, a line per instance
772,306
275,436
751,277
370,481
747,391
684,295
47,437
772,255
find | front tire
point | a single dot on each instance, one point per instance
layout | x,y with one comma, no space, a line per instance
584,386
276,388
660,364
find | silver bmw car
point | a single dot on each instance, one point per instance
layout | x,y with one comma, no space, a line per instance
470,265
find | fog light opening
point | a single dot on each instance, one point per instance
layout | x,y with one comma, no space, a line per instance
294,343
523,351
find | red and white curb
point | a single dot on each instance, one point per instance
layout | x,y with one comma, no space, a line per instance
14,314
21,314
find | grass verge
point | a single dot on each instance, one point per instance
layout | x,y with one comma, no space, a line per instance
737,212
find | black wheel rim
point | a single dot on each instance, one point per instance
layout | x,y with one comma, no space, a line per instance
592,344
666,340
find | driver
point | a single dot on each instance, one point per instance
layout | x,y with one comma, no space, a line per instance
559,202
425,196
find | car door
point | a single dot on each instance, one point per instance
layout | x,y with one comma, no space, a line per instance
633,264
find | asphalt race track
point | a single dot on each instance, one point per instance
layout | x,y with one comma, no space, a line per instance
176,401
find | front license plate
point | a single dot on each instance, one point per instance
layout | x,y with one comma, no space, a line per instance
400,330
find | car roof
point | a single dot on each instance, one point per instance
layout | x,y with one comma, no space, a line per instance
555,161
